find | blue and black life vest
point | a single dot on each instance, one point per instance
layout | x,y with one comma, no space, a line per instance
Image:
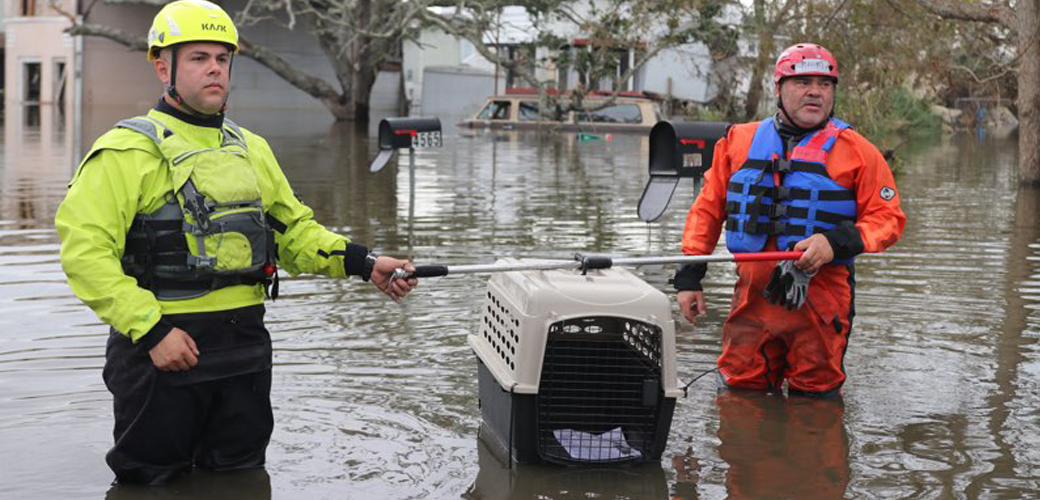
806,202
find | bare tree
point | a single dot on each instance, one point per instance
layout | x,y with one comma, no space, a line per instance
357,36
766,20
1023,20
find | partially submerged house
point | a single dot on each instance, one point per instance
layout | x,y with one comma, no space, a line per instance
38,55
438,65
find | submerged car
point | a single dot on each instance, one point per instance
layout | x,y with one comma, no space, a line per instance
627,113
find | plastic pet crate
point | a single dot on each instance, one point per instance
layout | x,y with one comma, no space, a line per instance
576,369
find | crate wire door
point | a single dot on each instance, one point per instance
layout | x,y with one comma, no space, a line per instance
600,393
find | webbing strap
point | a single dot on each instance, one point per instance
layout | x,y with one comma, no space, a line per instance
235,136
206,283
776,210
783,193
172,242
774,228
785,166
145,126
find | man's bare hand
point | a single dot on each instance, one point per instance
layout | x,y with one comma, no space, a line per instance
816,251
692,304
383,271
176,352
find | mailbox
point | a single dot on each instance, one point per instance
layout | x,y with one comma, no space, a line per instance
677,150
405,133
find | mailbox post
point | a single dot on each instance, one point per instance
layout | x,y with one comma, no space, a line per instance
401,133
411,133
677,150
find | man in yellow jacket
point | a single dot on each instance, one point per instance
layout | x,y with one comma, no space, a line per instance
172,231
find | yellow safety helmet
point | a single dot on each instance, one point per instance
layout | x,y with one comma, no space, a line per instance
190,21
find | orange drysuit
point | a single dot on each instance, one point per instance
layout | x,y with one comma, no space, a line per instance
763,343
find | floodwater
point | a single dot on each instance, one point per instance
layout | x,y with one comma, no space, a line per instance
378,400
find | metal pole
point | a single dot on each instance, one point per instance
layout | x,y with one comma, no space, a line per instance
411,181
694,259
592,263
77,96
411,195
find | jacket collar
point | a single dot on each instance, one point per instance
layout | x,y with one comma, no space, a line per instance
214,121
793,134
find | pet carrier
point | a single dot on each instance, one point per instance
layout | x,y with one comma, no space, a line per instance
576,368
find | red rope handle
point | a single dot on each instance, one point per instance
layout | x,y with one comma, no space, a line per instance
760,256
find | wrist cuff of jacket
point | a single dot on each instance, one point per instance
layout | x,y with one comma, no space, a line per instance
688,277
845,240
354,264
155,335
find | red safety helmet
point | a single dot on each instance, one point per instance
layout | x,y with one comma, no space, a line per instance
805,59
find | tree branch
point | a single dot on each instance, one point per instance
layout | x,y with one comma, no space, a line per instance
971,11
132,42
983,81
310,84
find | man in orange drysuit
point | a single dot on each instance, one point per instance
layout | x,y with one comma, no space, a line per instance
803,180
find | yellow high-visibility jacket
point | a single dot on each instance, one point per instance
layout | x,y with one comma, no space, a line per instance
124,175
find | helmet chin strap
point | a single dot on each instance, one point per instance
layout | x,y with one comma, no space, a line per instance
787,117
171,90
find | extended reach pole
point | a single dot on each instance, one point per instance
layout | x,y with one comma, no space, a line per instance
590,262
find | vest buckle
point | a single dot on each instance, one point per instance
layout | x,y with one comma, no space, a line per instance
197,262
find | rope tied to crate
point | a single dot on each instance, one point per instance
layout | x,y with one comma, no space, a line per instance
698,377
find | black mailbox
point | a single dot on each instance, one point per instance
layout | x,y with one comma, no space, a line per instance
677,150
405,133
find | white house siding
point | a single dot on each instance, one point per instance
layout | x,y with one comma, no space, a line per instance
685,71
454,93
432,48
687,68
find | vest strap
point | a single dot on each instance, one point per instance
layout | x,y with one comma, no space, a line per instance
206,284
167,243
777,228
783,193
776,210
233,135
785,166
145,126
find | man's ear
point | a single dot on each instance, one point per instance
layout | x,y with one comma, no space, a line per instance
162,70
